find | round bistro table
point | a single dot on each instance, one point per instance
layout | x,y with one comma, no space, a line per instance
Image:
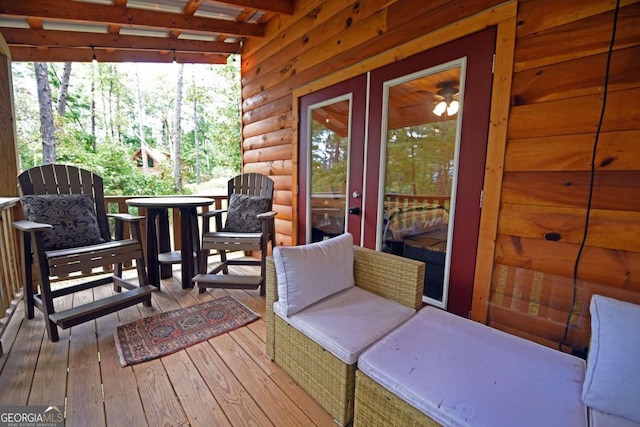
190,235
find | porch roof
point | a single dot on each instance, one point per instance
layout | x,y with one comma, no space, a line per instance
193,31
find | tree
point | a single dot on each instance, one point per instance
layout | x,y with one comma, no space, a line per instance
143,145
93,103
47,128
177,176
61,106
196,142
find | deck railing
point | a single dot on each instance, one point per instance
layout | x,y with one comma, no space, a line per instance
10,267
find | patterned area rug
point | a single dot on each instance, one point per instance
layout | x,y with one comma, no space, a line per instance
166,333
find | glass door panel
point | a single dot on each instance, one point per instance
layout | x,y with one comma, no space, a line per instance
328,173
420,149
331,161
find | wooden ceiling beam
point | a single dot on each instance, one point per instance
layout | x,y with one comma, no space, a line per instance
191,7
278,6
40,54
34,23
62,39
126,17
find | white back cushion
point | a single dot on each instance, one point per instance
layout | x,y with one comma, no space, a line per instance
612,382
306,274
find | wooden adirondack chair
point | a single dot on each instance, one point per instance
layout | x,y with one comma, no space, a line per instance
249,227
66,231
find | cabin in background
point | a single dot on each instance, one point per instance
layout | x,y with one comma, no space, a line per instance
155,160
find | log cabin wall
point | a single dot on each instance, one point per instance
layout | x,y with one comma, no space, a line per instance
534,221
556,102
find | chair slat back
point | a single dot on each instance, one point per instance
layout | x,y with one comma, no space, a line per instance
253,184
66,179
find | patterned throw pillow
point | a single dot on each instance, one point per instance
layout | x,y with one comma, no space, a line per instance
242,213
72,217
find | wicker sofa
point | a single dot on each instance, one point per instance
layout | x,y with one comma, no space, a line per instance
327,378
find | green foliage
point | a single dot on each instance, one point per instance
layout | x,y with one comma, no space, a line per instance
108,93
115,165
225,131
328,160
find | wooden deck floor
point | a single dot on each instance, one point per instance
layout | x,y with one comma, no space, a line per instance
226,381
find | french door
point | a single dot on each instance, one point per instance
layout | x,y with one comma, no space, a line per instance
396,157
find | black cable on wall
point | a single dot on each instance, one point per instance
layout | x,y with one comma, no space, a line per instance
605,92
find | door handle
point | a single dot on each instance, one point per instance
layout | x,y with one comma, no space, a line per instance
354,210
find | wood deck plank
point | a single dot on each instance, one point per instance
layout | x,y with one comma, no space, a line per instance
248,300
259,327
255,349
84,391
274,402
198,402
184,297
11,331
161,405
17,375
50,379
229,393
122,403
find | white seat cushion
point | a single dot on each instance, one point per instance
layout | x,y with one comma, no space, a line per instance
347,323
460,372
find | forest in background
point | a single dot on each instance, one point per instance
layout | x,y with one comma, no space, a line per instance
108,111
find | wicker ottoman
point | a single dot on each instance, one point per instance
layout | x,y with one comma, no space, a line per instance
441,369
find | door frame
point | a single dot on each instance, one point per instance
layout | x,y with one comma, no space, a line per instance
504,18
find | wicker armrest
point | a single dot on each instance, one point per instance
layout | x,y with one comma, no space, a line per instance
390,276
271,296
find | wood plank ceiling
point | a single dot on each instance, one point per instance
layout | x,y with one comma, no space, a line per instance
190,31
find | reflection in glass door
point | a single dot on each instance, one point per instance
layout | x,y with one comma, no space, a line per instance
420,148
327,180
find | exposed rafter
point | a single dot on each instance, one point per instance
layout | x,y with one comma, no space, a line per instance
201,30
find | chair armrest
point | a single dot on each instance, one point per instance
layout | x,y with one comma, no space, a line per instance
271,296
30,226
390,276
267,215
209,214
126,217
